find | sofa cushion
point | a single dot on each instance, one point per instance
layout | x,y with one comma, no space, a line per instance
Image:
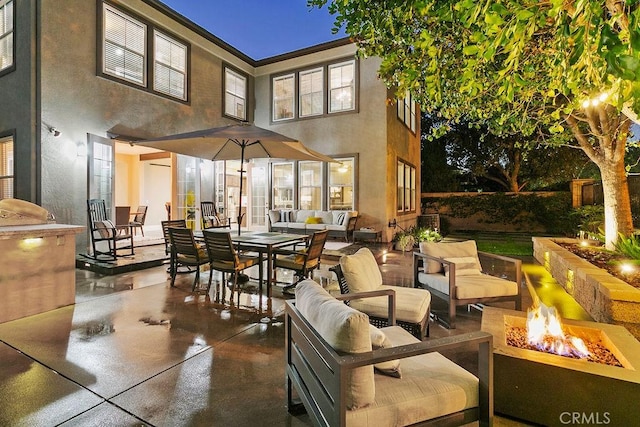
436,387
481,286
105,228
327,216
361,271
379,340
345,329
342,217
412,304
465,266
447,250
302,215
274,216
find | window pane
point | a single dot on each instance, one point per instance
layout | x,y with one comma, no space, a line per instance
282,177
6,168
170,66
400,195
235,87
310,183
341,184
413,189
311,90
124,46
6,35
283,97
407,189
341,87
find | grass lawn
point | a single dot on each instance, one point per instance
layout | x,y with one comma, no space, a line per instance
500,243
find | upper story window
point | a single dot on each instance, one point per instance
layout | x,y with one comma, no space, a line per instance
235,100
6,34
6,168
170,71
125,44
407,111
283,97
324,89
311,89
342,86
136,52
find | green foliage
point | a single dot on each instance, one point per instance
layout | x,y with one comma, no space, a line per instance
554,213
590,220
413,235
629,246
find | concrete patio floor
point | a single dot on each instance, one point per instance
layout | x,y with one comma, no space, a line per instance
134,351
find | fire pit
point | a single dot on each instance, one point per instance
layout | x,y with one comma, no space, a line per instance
549,389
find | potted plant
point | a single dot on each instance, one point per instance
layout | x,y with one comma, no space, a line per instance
407,240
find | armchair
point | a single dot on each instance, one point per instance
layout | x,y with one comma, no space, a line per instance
104,231
453,272
360,273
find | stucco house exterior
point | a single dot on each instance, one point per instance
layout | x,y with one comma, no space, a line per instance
80,79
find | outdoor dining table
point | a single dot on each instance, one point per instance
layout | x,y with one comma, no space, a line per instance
264,242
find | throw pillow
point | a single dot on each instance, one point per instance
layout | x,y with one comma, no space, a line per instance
106,228
313,220
380,340
465,266
340,218
361,271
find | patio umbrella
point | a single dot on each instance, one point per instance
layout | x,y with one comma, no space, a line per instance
241,141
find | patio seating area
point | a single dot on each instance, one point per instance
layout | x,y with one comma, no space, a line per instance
134,350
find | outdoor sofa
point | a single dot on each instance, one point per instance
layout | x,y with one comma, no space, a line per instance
303,221
346,372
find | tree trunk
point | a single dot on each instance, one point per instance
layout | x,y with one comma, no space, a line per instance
617,203
604,140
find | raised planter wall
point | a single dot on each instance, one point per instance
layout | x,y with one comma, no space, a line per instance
605,297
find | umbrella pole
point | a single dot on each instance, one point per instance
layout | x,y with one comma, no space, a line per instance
242,147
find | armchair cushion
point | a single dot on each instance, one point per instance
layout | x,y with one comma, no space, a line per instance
361,271
447,250
345,330
412,304
480,286
465,266
436,387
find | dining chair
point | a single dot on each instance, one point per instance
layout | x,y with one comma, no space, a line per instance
186,252
224,257
139,219
211,218
303,261
179,223
122,219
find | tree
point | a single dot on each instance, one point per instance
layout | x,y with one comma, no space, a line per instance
523,66
509,163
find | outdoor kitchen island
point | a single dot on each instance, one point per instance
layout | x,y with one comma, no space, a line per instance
37,268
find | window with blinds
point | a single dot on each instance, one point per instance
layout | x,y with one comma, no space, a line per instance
6,34
6,168
342,86
170,66
124,46
235,86
311,92
283,97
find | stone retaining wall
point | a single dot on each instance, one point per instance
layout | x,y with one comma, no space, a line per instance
605,297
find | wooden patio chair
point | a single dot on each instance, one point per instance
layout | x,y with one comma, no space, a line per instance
223,257
103,231
211,218
139,219
302,262
186,252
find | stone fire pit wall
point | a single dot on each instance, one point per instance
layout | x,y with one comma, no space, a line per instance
605,297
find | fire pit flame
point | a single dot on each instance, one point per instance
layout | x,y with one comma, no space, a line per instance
545,332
